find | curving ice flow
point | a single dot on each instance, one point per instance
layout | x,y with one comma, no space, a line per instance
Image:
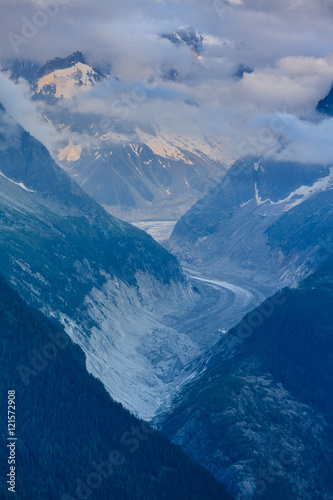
241,293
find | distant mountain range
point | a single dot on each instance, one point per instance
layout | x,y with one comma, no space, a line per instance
135,173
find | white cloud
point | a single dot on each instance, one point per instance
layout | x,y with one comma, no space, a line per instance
16,100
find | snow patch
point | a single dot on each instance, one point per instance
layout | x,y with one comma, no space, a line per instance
67,81
136,149
302,193
70,153
306,191
258,198
20,184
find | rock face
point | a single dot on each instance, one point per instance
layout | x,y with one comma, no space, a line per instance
187,36
266,221
109,283
325,105
260,413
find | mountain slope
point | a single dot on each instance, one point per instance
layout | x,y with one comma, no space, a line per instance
256,223
140,176
73,441
109,283
259,416
325,105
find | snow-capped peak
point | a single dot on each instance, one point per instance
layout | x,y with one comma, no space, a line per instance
66,82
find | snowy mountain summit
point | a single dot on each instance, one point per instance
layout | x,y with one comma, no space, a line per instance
63,77
188,36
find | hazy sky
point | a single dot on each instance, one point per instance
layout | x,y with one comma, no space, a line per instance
287,43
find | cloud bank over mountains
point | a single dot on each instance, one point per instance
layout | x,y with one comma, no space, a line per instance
284,48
